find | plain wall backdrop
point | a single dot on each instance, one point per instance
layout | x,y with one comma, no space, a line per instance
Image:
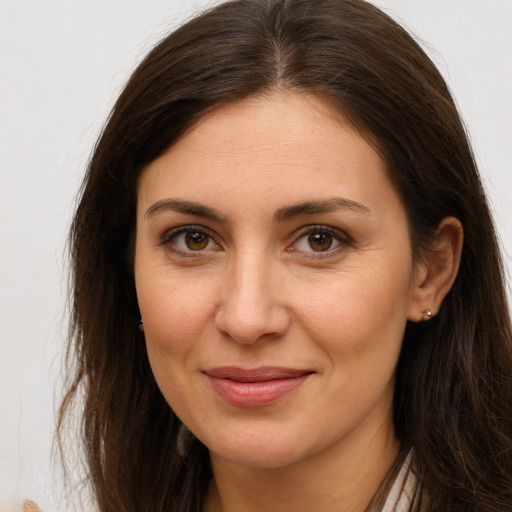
62,64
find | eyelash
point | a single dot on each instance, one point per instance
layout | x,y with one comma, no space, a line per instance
169,239
340,238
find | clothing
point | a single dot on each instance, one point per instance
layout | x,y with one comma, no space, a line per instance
403,492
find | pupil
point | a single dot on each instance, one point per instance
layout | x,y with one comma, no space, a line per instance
196,241
320,241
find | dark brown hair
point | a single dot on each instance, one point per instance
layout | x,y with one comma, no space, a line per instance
453,400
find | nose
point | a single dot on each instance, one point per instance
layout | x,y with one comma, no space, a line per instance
250,308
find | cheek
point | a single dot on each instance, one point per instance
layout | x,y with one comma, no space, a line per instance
175,313
360,330
176,319
358,315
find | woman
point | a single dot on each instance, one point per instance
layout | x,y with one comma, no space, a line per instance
280,198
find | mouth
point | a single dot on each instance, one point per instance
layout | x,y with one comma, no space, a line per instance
255,387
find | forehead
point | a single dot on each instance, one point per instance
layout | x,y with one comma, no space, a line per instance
267,122
297,144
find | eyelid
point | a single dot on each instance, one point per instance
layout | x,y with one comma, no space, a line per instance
167,237
341,236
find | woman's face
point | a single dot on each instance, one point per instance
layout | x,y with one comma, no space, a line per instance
275,277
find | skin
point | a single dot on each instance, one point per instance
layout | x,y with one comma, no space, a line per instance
254,289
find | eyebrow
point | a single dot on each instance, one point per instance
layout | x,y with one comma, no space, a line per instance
280,215
313,207
187,208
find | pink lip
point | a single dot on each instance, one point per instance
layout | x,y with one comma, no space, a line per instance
255,387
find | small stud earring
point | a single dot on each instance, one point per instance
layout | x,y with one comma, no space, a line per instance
427,314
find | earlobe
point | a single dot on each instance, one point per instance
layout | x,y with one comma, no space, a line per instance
437,271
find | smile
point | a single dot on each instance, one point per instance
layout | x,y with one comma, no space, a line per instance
256,387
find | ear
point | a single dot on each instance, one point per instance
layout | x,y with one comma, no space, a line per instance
437,270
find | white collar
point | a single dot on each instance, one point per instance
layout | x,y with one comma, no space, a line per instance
401,495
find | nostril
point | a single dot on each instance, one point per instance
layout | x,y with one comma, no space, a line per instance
249,308
249,325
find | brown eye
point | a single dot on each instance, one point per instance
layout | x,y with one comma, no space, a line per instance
189,239
195,241
320,241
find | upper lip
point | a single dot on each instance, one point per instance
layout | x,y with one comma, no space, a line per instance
260,374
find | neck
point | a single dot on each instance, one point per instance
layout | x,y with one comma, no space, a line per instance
343,478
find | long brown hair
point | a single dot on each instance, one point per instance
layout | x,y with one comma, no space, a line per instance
453,399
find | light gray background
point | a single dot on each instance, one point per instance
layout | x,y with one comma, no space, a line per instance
62,64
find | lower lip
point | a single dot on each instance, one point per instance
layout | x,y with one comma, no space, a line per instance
255,394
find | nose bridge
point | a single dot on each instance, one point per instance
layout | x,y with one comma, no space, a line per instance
252,280
250,307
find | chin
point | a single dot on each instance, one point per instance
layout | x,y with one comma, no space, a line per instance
261,448
259,457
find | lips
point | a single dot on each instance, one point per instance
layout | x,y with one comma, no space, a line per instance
255,387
